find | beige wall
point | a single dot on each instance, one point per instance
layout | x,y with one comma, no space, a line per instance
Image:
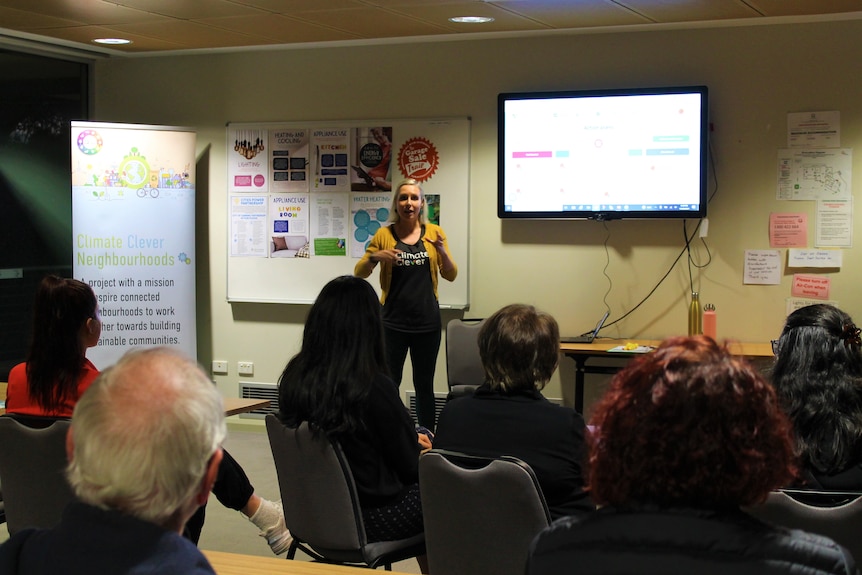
756,75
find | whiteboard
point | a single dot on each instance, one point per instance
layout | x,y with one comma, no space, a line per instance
434,151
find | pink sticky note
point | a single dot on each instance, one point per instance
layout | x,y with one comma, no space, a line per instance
810,285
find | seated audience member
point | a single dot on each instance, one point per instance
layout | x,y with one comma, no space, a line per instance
508,415
144,450
684,437
338,383
818,377
66,323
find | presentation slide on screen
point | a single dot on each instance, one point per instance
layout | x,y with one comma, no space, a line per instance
598,153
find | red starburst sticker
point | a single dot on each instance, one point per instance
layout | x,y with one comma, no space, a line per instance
418,159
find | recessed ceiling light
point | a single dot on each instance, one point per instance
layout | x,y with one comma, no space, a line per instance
112,41
471,19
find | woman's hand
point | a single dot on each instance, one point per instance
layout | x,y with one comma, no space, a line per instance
391,256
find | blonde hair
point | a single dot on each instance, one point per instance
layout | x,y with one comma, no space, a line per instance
393,207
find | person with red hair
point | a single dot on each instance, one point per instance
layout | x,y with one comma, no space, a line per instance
684,437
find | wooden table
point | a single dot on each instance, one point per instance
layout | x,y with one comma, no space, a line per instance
582,352
232,405
237,564
237,405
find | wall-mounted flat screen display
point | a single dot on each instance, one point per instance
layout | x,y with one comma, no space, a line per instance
603,154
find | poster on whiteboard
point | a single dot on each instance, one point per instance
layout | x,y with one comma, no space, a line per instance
133,227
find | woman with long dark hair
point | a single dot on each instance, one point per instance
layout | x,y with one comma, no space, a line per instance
339,384
57,372
818,377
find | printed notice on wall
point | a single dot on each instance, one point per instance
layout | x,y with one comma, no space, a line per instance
792,304
814,174
762,267
814,129
788,230
810,286
248,225
834,224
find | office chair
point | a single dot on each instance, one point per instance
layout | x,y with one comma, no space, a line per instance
464,369
32,470
837,515
480,513
321,505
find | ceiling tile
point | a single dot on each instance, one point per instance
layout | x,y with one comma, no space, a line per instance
573,14
665,11
85,35
278,29
189,9
371,23
805,7
94,12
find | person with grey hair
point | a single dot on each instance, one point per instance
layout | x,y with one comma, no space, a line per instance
144,450
412,253
508,415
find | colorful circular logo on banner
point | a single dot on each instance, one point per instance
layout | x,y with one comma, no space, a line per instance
134,170
418,159
90,142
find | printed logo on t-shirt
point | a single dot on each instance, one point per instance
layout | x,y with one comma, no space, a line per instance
407,259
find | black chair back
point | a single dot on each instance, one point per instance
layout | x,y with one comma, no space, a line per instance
32,471
481,514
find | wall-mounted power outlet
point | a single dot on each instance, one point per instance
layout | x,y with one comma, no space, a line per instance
245,368
220,367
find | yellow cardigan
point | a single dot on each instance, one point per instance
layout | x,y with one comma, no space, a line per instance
384,240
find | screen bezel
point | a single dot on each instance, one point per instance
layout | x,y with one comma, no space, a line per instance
502,98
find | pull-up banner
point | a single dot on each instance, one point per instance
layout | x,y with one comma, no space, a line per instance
133,227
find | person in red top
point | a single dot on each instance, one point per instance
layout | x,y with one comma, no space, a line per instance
57,372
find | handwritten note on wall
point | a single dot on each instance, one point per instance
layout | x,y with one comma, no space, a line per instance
797,258
762,267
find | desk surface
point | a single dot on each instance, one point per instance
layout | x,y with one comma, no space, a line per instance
232,405
602,345
237,564
236,405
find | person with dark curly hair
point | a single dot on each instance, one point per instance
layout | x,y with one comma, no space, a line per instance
683,438
818,377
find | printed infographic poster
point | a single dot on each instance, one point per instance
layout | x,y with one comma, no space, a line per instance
289,160
133,225
329,224
248,225
247,160
288,226
331,159
368,213
371,165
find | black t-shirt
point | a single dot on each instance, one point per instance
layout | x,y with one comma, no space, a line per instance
410,304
